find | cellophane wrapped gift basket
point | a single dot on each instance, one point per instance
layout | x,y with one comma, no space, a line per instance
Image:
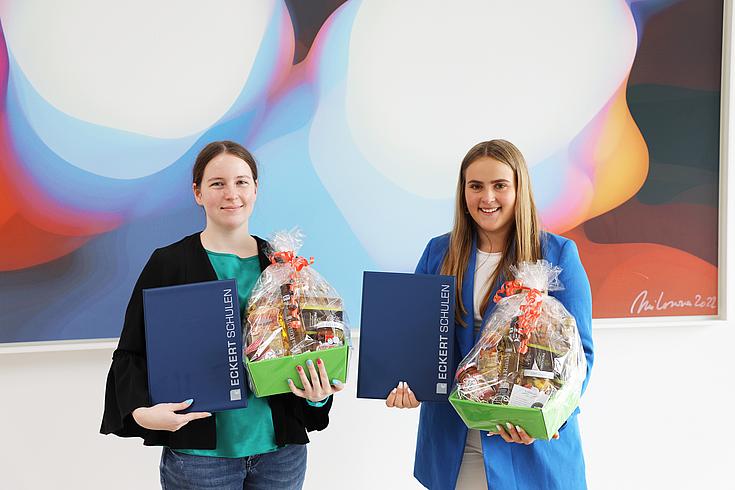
528,366
293,315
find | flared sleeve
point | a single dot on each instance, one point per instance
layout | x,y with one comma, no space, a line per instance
127,380
317,418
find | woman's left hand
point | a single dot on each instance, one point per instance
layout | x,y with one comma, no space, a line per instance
511,433
319,388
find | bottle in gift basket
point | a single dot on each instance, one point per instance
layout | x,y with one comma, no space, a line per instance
292,313
294,327
510,357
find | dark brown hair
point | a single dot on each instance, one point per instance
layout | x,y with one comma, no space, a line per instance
217,148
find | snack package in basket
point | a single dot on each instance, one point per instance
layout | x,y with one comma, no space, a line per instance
293,315
528,366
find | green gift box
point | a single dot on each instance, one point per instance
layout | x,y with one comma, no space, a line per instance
539,423
270,376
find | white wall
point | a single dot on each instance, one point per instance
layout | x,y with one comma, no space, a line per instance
646,422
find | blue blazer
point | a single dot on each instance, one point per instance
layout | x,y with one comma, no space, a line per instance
549,465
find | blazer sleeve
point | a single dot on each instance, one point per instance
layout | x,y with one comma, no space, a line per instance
423,266
127,380
577,299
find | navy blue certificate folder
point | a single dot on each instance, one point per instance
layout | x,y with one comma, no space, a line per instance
406,334
194,346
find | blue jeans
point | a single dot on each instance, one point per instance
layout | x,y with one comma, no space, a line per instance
283,469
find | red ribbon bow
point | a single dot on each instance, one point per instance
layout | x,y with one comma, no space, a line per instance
288,257
530,309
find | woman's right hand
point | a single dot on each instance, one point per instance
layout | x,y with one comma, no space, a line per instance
402,397
163,416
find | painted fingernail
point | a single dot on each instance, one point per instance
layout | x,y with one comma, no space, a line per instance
290,381
299,368
499,428
519,429
319,361
189,401
336,382
408,389
393,391
400,384
309,362
509,425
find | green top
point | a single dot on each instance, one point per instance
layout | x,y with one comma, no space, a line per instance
245,431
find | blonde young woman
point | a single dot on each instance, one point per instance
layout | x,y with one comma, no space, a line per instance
496,226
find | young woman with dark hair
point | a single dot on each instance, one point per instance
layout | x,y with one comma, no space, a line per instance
262,446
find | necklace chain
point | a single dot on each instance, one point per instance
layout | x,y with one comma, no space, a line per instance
485,259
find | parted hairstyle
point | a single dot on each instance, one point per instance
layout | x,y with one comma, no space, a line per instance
217,148
523,242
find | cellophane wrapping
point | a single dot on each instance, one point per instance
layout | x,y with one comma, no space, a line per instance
530,347
292,308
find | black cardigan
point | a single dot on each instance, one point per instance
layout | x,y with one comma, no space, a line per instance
184,262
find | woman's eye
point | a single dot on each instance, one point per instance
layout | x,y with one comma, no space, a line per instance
501,186
216,184
242,182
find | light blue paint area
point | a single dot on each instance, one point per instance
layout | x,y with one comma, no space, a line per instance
254,93
392,224
334,59
96,149
293,111
118,154
290,194
549,180
77,189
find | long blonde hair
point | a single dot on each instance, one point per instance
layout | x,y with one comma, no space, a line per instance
523,242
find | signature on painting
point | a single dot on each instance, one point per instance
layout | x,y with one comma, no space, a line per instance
642,303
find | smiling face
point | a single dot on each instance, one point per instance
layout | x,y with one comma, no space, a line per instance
490,196
227,192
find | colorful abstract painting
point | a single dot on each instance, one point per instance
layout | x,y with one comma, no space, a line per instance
358,113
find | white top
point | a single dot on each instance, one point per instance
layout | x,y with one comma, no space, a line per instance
485,266
484,269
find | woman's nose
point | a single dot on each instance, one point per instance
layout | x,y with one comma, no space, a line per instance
488,197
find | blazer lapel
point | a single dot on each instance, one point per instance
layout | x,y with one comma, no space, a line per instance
488,313
198,266
465,335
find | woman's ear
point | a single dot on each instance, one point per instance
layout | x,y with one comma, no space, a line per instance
197,193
